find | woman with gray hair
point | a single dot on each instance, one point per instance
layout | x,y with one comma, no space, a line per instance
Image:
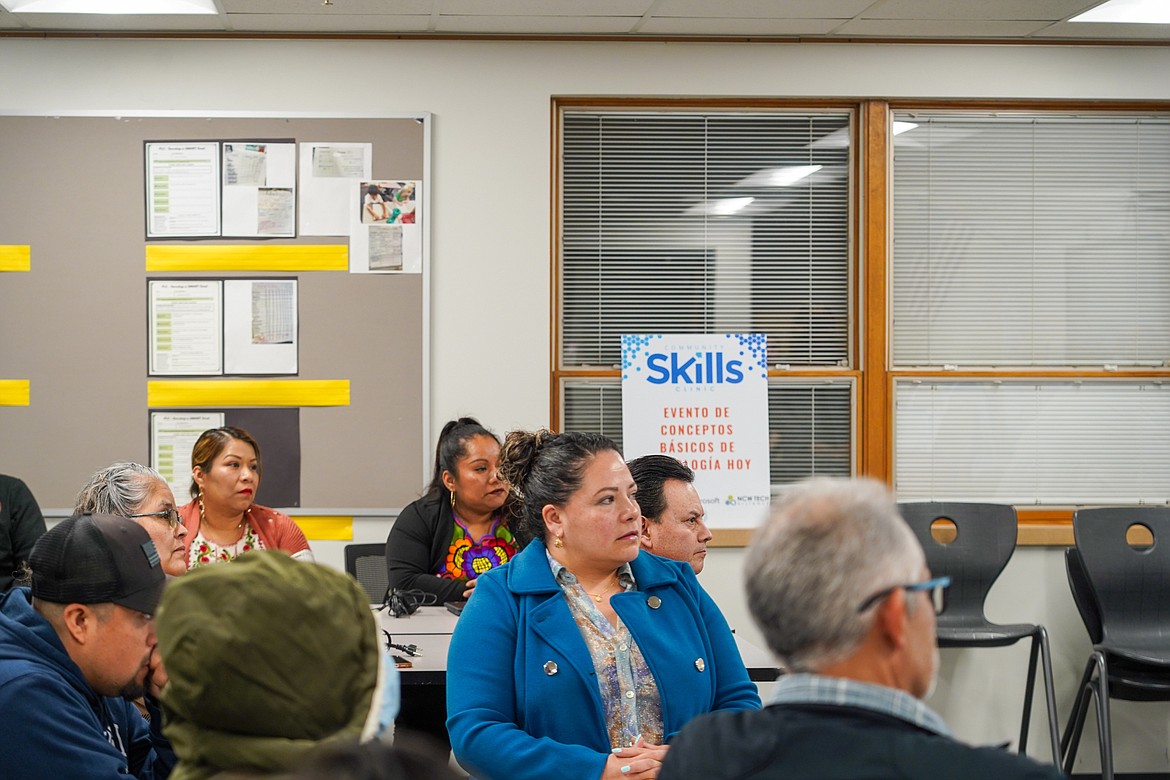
141,494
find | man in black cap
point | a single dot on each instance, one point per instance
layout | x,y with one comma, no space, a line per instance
75,648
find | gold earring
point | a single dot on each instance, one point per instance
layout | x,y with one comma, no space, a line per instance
558,543
452,499
202,511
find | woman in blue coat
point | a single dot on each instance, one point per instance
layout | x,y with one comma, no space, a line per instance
582,657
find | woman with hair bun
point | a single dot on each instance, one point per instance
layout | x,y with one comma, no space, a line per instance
442,542
223,521
588,655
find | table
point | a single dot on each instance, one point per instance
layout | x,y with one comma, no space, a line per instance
431,627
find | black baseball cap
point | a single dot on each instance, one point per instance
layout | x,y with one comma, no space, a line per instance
97,559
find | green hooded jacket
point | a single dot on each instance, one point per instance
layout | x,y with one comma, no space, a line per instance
268,658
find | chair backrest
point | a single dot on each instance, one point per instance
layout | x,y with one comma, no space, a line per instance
985,538
1082,593
1131,584
367,564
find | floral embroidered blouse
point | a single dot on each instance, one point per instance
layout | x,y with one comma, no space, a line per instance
467,558
202,551
633,707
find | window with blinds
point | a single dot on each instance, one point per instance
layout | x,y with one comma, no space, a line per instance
711,221
809,428
1026,243
1033,442
1031,240
705,222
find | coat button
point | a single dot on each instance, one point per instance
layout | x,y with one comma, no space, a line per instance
699,664
654,602
550,668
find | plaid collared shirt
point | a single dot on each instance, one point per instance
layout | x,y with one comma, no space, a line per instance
818,689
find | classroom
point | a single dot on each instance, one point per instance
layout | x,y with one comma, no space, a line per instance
493,197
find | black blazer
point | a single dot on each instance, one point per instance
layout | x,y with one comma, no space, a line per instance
418,544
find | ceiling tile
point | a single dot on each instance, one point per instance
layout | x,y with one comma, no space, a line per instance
1106,31
323,23
763,9
634,8
1003,10
914,28
742,27
117,22
537,25
339,7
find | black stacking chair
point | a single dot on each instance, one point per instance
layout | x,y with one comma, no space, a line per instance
984,542
367,564
1122,592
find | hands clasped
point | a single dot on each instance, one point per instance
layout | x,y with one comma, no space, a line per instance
640,761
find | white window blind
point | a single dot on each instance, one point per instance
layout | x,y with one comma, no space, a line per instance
1043,442
1031,240
809,423
693,222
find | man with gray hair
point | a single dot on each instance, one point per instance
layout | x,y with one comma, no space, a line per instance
839,587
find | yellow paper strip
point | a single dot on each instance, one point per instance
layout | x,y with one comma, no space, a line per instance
230,257
15,258
333,529
14,392
245,392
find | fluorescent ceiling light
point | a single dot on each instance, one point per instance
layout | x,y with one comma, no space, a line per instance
722,207
839,139
1128,12
141,7
779,177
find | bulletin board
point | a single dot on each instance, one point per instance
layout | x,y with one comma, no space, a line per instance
73,321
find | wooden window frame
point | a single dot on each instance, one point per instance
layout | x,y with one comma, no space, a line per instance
869,257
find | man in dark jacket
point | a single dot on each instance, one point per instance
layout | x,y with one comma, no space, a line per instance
839,587
21,524
74,648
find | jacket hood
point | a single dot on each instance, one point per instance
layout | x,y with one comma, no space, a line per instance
26,636
267,658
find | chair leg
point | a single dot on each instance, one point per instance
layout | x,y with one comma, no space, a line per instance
1076,720
1049,694
1104,728
1029,690
1040,648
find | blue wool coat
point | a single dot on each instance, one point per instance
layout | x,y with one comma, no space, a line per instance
510,718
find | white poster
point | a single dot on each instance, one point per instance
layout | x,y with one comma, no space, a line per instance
182,189
172,437
186,328
260,326
385,227
259,189
704,400
327,172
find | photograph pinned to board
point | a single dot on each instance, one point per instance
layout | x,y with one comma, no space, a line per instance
328,173
386,227
182,189
259,189
260,326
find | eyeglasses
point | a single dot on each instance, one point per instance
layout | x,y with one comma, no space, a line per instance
933,587
170,514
